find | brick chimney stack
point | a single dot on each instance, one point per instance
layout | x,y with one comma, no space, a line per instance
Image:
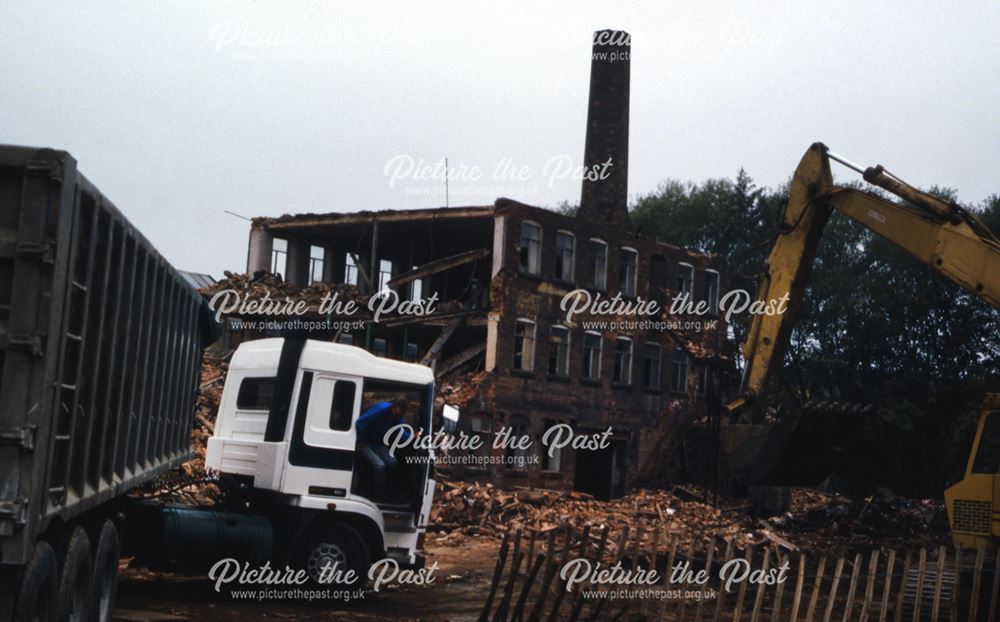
604,197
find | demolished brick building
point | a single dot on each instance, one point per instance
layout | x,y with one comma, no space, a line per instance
501,345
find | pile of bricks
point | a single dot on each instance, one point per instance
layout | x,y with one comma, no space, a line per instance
817,521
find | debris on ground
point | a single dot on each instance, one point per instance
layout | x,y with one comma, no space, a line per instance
816,521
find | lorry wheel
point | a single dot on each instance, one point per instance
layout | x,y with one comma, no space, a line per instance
106,558
36,599
75,594
334,544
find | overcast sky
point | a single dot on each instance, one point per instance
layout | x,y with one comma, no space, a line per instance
178,111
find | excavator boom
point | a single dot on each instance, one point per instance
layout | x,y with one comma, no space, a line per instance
938,233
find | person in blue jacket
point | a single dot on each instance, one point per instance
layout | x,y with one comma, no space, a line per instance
371,428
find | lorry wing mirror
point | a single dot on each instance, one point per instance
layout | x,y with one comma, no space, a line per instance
450,414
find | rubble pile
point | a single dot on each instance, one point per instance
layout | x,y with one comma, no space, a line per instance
458,389
879,521
187,486
261,284
817,521
213,378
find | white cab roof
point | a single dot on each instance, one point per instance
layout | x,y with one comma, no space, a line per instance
263,354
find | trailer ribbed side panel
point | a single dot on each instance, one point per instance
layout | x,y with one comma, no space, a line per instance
99,349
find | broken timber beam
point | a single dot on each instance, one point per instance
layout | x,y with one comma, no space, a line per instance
361,270
446,333
438,265
460,359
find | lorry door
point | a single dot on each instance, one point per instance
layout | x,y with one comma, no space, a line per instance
321,449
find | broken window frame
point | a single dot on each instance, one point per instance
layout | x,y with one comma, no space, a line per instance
597,264
379,344
651,380
591,369
279,256
628,272
350,270
384,276
529,257
685,279
559,351
565,266
711,295
622,371
416,289
316,264
524,345
679,364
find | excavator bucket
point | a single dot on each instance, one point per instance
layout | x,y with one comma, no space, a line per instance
799,449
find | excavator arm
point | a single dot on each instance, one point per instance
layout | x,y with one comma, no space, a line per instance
940,234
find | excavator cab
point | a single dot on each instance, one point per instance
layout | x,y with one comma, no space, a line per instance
974,502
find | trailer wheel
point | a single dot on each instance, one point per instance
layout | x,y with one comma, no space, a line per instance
75,594
106,558
331,544
36,598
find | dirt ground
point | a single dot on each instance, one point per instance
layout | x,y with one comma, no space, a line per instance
458,593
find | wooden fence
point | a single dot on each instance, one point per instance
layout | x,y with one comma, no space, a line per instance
880,585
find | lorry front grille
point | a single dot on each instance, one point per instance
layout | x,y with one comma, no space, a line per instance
973,516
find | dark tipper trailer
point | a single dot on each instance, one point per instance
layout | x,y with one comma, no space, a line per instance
100,346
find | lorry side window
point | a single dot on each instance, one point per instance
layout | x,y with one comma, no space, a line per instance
255,394
342,410
988,457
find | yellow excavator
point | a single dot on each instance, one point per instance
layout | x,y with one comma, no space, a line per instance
950,240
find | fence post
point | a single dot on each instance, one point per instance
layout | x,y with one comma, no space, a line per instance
918,597
515,567
651,565
870,589
833,590
708,570
797,601
977,580
689,557
670,565
898,614
578,601
722,593
497,573
561,588
776,607
958,583
550,569
887,588
759,601
996,588
853,588
816,587
936,607
738,612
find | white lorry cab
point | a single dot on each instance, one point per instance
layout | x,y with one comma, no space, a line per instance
285,445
